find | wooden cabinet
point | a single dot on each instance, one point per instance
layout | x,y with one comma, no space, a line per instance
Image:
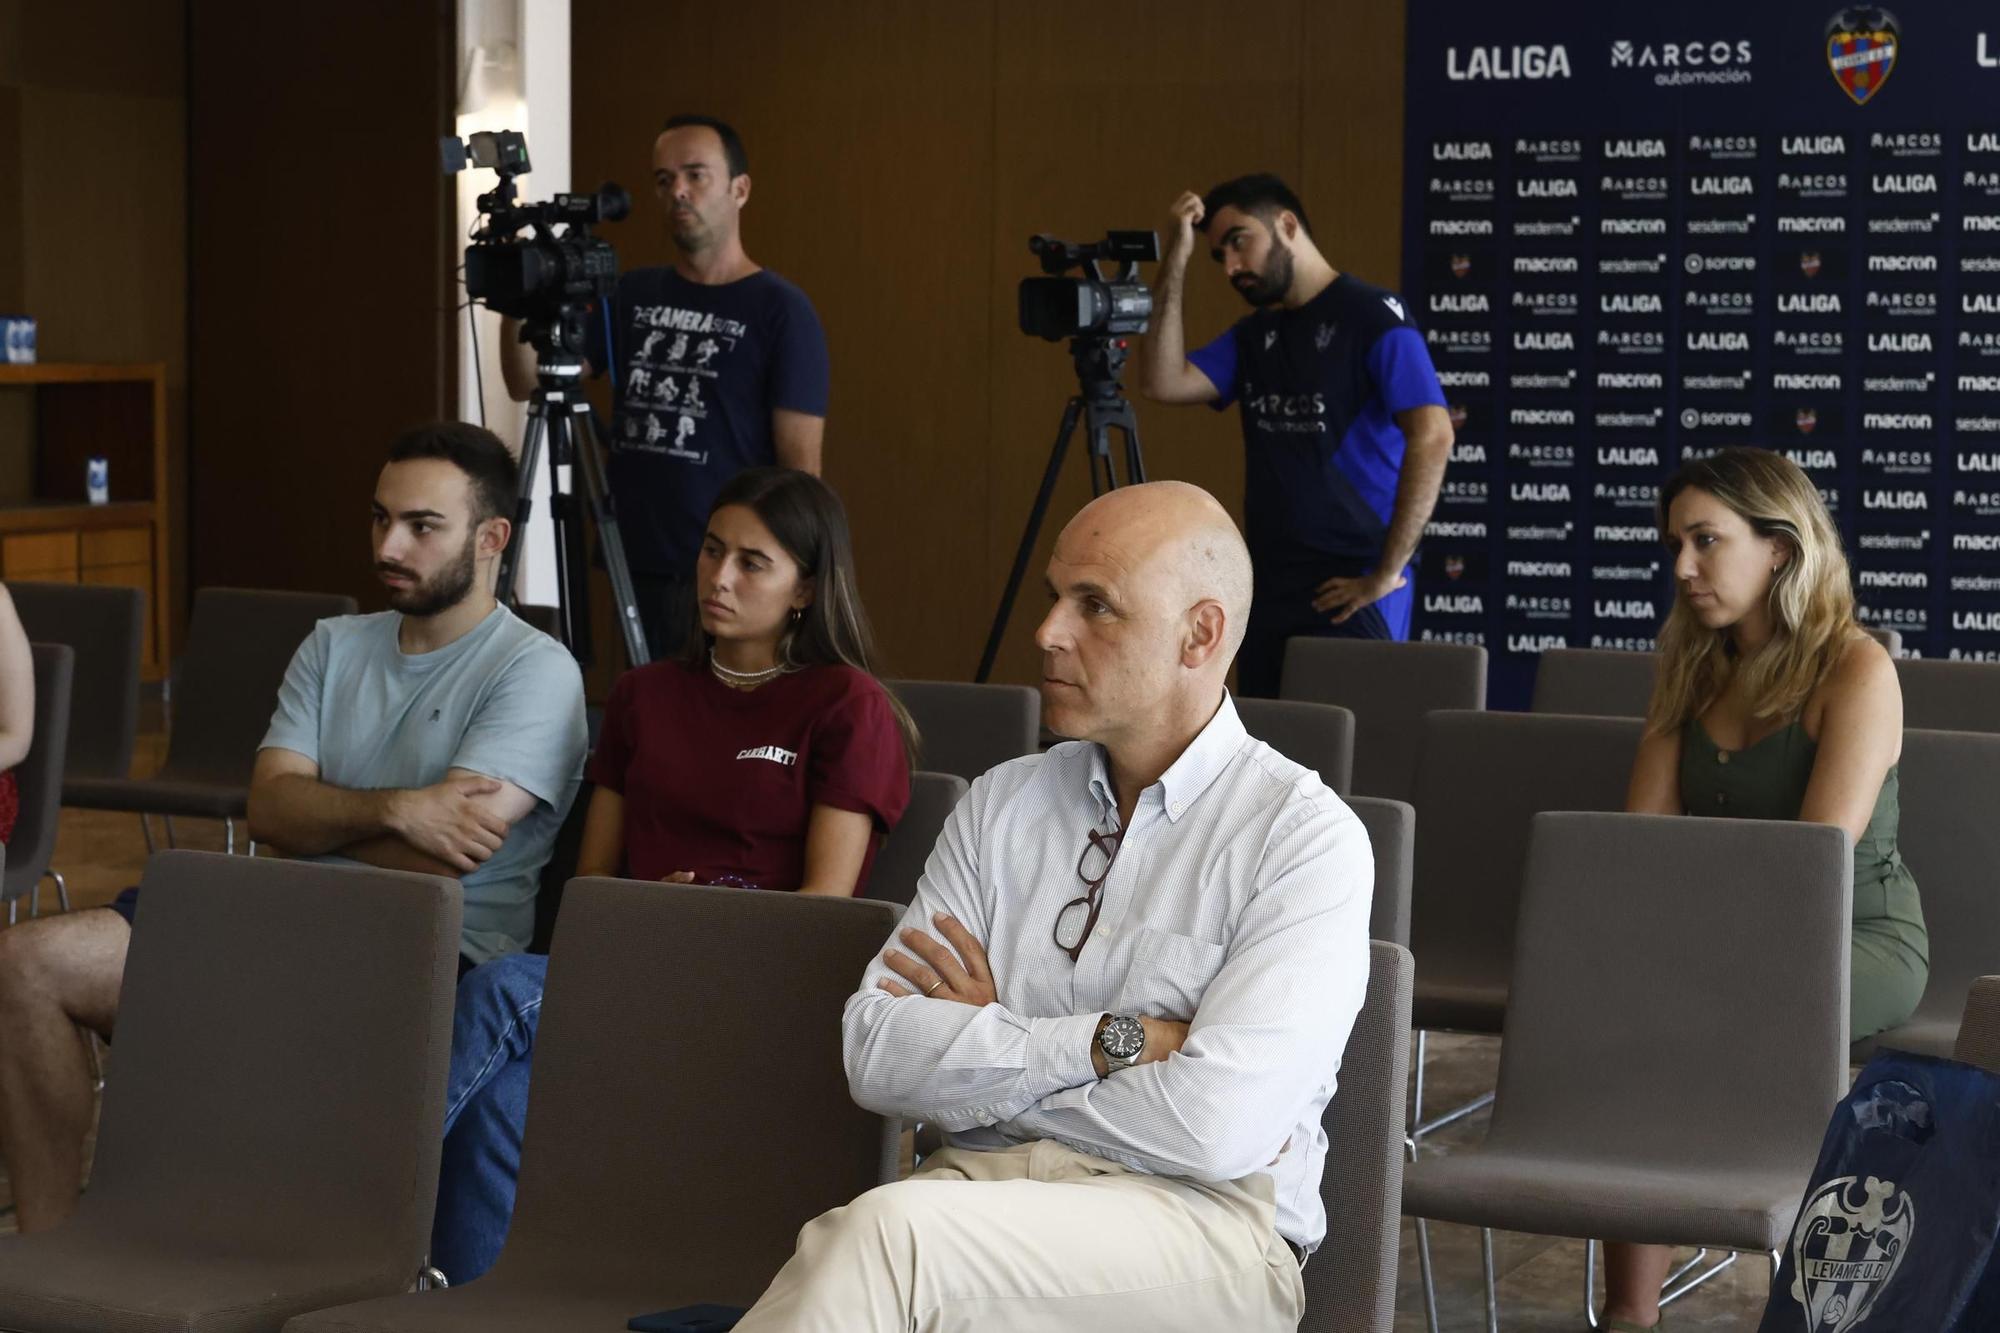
56,535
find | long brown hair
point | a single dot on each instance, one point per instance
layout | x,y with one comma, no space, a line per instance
1811,598
808,520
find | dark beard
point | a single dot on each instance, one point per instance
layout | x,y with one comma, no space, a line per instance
1270,286
443,590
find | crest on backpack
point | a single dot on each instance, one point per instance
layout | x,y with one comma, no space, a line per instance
1849,1240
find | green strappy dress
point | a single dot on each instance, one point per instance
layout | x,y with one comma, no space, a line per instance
1891,950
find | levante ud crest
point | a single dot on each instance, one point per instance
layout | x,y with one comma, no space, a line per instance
1850,1238
1861,46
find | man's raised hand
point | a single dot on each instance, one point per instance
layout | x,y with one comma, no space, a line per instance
1182,218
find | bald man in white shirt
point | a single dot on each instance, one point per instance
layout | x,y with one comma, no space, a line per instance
1122,991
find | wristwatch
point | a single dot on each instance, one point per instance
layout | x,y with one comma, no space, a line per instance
1121,1037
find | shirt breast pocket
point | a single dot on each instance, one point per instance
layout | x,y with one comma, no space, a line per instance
1169,974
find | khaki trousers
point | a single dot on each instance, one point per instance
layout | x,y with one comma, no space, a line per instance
1039,1237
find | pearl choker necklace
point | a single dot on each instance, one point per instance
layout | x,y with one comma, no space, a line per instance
743,678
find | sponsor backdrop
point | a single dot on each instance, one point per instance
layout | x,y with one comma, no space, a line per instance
1633,235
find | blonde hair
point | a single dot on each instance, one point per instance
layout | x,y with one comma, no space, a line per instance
1811,599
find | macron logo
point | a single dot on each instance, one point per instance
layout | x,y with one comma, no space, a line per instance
776,754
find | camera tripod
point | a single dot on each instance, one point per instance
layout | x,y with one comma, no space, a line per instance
1102,407
559,414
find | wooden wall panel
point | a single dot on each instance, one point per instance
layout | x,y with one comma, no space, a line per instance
1352,175
320,277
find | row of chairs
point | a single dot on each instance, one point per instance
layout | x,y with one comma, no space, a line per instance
1938,694
1485,774
270,1145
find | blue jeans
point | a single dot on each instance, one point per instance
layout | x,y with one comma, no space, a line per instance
486,1107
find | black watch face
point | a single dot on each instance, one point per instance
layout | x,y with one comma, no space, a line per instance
1123,1039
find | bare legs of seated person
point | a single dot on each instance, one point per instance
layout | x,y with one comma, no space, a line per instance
59,981
1633,1276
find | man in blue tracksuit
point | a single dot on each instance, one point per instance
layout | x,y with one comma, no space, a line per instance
1345,431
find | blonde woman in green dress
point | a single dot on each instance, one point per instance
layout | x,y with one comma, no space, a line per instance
1771,703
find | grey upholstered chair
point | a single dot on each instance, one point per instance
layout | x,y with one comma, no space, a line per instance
240,641
105,625
1320,736
1892,639
40,783
270,1143
1392,833
900,861
1941,695
1389,687
1620,1115
671,1153
967,729
1979,1031
1481,779
1594,682
1605,682
1351,1279
1951,842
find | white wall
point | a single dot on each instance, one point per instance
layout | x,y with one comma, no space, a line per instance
513,74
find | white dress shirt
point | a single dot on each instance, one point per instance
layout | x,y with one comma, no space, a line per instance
1238,902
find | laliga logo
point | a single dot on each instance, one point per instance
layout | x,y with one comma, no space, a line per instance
1861,46
1843,1254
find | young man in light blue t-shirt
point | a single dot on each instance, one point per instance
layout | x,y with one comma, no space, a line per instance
444,736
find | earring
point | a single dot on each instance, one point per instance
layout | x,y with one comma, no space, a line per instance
798,612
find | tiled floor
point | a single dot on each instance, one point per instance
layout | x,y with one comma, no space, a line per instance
1540,1279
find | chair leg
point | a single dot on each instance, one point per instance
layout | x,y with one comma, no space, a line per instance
1417,1093
228,836
1486,1269
171,843
1674,1293
250,848
62,889
35,901
431,1278
1590,1282
13,906
1424,1272
146,827
1477,1104
1418,1126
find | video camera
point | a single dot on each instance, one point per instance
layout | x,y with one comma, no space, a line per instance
1091,306
548,278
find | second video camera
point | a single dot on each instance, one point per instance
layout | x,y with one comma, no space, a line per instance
1057,307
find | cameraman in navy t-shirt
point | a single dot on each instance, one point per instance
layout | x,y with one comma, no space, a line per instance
1344,426
717,365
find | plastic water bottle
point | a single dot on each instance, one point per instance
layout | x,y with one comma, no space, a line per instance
97,479
19,340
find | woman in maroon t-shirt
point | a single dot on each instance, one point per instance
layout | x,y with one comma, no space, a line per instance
768,757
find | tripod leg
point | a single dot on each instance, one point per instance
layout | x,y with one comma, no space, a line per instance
531,454
1033,530
624,598
1101,419
572,597
1135,463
